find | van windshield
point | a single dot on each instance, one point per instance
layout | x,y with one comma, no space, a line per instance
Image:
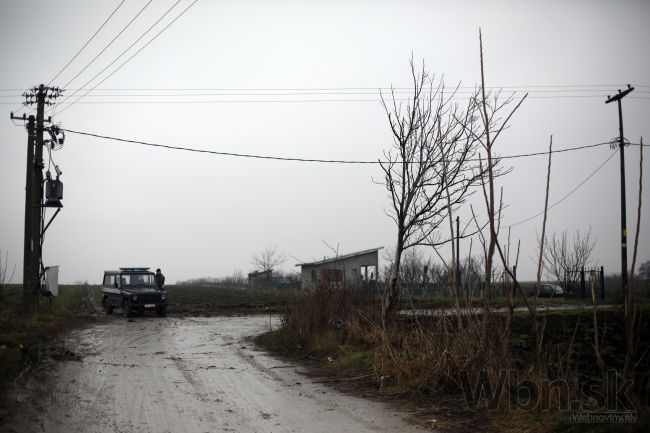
137,280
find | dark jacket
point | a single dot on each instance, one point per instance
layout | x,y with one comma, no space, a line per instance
160,280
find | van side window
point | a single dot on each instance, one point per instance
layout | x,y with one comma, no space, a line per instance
109,280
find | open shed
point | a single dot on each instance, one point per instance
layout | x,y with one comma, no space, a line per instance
348,269
260,278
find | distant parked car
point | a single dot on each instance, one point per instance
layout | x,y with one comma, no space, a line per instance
548,291
132,290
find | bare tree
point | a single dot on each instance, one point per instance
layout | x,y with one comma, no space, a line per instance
563,258
472,271
439,277
430,167
268,259
644,271
412,270
4,279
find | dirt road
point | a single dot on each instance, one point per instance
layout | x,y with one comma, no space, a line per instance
187,375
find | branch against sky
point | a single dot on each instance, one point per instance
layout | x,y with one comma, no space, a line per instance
268,259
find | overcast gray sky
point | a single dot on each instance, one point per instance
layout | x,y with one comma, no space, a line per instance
198,215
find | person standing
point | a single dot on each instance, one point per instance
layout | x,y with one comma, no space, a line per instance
160,279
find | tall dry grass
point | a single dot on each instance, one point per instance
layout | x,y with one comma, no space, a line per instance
429,355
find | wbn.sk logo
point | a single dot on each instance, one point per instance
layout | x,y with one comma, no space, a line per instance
510,391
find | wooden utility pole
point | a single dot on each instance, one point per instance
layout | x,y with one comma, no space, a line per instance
32,265
621,145
29,193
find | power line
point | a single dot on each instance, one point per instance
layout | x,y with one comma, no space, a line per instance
569,149
103,94
568,194
107,46
102,51
525,87
264,101
86,44
278,158
214,152
298,92
137,52
122,53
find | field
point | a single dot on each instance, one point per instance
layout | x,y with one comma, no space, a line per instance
210,299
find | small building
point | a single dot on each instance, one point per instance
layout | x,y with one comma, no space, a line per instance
349,269
259,279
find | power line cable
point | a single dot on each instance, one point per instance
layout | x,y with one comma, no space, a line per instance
51,109
214,152
566,195
250,101
108,45
278,158
86,44
137,52
103,94
253,101
526,87
315,100
197,92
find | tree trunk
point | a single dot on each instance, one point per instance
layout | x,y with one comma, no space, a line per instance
390,303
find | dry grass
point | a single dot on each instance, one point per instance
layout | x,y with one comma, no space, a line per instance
430,357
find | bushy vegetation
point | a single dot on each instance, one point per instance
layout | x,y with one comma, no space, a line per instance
427,355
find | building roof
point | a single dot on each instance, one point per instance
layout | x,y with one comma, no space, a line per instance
256,273
339,258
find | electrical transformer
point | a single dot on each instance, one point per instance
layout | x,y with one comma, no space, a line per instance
53,193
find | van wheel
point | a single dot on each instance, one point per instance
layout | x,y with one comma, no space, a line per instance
161,311
127,309
108,309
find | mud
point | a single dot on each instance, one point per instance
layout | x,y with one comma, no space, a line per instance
176,374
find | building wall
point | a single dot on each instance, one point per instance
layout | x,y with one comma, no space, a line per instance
260,280
351,269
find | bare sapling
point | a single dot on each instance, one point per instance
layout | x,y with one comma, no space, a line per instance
4,279
491,123
596,344
632,321
539,328
454,275
540,260
510,298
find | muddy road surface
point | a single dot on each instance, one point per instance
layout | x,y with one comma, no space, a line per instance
185,375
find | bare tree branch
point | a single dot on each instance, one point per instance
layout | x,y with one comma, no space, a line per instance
268,259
